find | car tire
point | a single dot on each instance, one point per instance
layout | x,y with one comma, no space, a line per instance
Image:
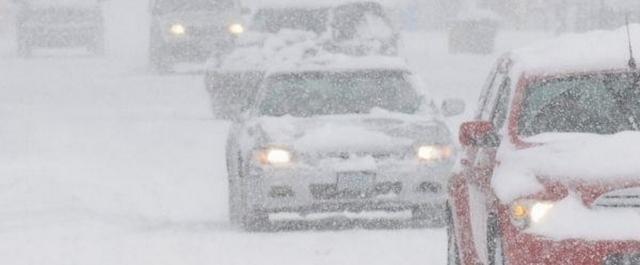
235,211
494,244
24,49
453,256
429,216
256,221
97,45
158,64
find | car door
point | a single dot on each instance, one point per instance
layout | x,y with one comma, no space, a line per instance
478,166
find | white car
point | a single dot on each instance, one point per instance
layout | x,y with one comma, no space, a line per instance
340,138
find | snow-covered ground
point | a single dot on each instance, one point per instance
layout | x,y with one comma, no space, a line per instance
104,163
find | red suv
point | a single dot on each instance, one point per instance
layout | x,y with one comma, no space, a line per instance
550,172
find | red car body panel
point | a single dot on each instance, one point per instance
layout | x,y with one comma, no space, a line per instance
519,247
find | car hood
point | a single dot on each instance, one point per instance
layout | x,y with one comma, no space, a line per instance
200,18
586,164
351,133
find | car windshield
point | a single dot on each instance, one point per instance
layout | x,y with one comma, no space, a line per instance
168,6
595,103
274,20
319,93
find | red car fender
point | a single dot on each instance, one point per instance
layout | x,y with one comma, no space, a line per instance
459,199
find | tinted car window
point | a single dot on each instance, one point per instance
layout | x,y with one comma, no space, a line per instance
602,104
274,20
310,94
168,6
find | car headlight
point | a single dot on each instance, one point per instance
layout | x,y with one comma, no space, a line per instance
275,156
434,152
178,29
526,213
236,29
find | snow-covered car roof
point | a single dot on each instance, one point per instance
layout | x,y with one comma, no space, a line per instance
299,50
340,62
64,3
258,4
591,51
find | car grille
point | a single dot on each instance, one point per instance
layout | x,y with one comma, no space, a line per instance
626,198
378,156
622,259
205,31
331,192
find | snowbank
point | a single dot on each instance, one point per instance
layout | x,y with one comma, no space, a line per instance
566,156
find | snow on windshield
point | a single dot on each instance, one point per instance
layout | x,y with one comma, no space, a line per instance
337,132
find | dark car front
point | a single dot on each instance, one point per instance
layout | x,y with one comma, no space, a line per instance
54,24
347,141
193,30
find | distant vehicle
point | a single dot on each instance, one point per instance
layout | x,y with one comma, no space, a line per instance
233,84
57,23
548,175
353,27
345,139
192,31
358,28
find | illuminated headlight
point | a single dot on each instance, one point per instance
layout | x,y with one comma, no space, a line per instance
434,152
525,214
177,29
275,156
236,29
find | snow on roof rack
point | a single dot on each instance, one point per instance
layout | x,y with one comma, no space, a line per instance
592,51
292,49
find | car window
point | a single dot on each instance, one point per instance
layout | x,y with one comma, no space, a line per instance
330,93
274,20
597,103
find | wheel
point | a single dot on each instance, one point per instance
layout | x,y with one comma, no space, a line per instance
97,45
494,244
24,49
429,216
255,221
235,211
453,256
160,65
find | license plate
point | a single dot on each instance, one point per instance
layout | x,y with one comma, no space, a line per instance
355,181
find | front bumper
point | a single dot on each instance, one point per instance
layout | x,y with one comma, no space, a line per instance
526,249
312,190
195,49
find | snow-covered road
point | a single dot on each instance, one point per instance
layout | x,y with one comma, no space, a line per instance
104,163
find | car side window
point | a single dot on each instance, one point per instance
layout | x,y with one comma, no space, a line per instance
491,96
501,106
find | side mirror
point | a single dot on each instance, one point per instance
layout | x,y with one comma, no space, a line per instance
479,134
452,107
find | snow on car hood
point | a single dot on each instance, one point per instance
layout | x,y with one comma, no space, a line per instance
566,157
571,219
352,133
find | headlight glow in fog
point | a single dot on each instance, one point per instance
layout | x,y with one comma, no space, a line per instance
236,29
277,156
177,29
434,152
539,210
527,213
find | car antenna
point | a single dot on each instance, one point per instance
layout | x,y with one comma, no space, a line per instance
632,60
